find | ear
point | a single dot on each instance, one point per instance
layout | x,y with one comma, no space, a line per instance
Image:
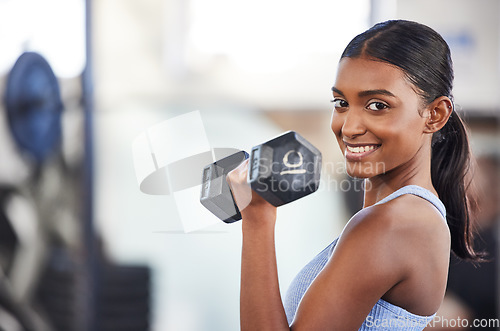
438,113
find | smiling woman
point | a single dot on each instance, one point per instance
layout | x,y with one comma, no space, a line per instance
388,269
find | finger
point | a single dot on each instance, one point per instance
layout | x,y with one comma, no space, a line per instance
241,190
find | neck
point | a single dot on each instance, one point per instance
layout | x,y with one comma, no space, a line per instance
417,171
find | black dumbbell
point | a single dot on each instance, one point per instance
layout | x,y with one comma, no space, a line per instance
281,170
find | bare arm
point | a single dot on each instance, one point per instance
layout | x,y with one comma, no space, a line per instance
261,307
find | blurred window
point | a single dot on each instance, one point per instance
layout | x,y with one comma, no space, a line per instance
53,28
274,35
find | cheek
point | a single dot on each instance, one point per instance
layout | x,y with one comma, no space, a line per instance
404,129
400,144
336,123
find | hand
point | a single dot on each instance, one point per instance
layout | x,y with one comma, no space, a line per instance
250,204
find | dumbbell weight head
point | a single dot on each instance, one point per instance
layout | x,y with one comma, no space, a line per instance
284,169
216,195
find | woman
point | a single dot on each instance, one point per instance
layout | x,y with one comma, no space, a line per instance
394,121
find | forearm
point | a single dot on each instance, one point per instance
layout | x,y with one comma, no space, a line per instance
261,307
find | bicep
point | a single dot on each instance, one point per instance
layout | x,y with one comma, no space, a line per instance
357,275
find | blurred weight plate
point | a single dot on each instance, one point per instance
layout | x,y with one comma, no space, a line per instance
34,106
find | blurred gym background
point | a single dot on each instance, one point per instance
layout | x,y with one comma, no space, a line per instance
82,248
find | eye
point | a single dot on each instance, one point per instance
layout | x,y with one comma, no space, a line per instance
340,103
377,106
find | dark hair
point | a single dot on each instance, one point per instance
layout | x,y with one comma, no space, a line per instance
425,58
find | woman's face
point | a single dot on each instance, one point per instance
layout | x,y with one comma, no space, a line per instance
376,118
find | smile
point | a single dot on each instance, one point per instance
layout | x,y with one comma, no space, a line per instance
360,149
356,153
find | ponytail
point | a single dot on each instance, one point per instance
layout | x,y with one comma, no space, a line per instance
452,179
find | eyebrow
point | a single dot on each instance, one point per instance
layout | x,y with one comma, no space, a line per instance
367,92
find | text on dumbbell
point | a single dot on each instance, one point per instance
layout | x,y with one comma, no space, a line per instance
287,163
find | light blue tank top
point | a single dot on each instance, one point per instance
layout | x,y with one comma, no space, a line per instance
384,315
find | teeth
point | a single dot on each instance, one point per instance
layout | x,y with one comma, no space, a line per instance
360,149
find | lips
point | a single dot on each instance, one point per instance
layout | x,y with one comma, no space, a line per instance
356,152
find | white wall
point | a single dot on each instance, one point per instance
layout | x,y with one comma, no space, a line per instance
472,29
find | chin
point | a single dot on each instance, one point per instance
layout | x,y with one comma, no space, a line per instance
357,175
362,171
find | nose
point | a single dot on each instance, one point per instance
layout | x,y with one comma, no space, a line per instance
353,125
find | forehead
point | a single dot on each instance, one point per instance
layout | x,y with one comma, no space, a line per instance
359,74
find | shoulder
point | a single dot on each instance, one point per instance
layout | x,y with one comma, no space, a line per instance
405,227
407,212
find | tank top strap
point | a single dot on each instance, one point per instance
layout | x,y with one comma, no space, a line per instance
418,191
